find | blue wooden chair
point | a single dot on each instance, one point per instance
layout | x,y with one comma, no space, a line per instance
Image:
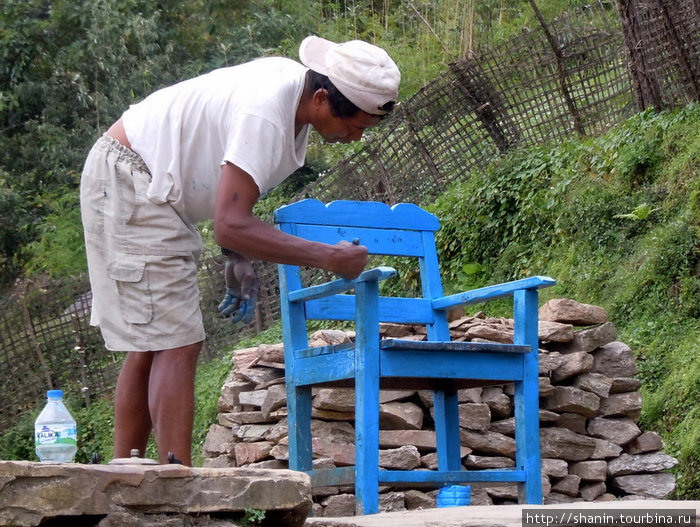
371,363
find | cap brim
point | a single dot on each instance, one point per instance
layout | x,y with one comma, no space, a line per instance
312,53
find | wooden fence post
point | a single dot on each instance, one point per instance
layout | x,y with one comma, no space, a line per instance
80,350
647,92
484,106
680,50
561,73
31,334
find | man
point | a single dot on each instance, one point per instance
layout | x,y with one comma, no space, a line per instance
204,148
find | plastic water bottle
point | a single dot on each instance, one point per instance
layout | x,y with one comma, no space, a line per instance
454,496
55,432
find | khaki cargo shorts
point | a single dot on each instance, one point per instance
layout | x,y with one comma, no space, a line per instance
142,256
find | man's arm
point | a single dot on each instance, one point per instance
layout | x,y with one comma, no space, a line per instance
237,229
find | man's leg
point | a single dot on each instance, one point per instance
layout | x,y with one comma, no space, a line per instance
171,400
132,420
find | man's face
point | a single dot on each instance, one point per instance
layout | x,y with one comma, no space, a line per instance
343,129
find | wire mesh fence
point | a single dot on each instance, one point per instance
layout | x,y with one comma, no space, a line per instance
569,76
578,74
47,342
663,41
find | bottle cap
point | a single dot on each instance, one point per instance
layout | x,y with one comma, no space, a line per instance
55,394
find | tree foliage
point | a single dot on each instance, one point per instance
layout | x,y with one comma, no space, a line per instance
68,68
623,209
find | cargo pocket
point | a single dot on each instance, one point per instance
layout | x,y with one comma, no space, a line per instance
92,203
135,301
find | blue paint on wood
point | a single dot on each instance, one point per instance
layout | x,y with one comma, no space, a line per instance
455,476
353,214
369,362
446,408
340,285
397,310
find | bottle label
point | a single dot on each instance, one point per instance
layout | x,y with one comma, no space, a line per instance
58,434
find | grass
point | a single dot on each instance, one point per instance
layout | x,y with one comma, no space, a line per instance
96,422
614,219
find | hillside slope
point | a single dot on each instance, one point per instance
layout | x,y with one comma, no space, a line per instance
616,220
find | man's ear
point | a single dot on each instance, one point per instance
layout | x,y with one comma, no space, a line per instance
320,97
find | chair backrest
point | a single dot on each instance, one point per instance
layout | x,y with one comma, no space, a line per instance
404,230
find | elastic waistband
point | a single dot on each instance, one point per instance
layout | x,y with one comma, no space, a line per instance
111,145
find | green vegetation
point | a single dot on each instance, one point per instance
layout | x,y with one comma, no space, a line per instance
252,517
69,68
210,378
615,219
628,243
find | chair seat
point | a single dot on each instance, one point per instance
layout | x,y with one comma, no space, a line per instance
440,345
415,365
420,345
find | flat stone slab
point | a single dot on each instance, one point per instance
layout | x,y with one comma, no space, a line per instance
31,492
498,515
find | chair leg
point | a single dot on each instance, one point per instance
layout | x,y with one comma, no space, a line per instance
527,429
299,419
367,400
367,453
446,406
527,443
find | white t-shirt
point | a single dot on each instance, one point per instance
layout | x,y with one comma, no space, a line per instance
242,114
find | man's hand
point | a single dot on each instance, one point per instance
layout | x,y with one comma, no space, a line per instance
241,288
350,259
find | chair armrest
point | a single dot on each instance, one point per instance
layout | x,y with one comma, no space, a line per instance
341,285
493,291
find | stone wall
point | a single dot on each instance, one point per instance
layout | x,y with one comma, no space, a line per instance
592,448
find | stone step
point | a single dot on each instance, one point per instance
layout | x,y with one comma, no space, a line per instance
33,493
505,515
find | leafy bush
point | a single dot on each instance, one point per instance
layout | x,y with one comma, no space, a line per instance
496,219
16,230
59,249
95,425
17,442
616,220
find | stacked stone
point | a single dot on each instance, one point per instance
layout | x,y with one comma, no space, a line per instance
592,448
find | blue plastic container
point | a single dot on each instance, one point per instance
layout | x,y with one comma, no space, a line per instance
454,496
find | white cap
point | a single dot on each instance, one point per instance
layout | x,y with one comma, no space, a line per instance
364,73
